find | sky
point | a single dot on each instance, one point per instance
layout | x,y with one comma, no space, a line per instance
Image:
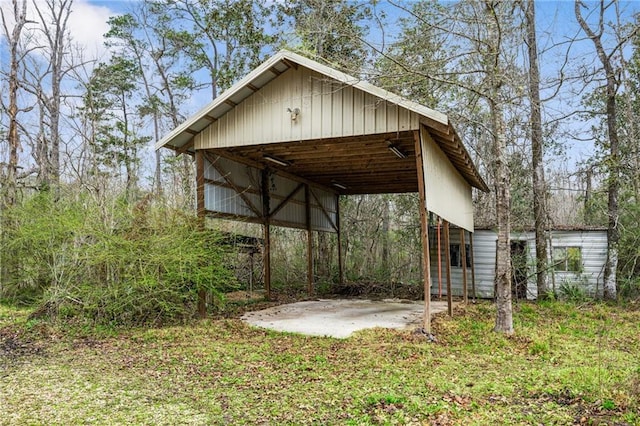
88,23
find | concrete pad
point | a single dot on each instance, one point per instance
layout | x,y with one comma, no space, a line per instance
341,317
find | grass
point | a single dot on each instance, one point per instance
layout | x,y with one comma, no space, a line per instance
568,363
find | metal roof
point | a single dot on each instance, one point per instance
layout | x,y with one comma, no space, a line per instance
437,123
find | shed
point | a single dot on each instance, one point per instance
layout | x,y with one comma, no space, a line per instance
285,142
576,259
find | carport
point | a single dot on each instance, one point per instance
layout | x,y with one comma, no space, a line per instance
284,143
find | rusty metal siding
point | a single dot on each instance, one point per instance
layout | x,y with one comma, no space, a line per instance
328,109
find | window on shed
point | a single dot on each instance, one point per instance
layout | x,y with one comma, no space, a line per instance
455,255
567,259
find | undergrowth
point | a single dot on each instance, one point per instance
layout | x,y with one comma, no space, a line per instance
567,363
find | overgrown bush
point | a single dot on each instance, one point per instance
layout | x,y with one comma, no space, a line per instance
629,263
110,263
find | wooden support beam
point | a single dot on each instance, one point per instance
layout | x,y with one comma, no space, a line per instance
267,233
339,235
447,259
201,213
463,254
307,197
186,147
439,225
324,211
424,234
289,63
260,166
287,199
275,70
225,175
473,267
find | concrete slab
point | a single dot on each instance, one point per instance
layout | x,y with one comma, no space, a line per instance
341,317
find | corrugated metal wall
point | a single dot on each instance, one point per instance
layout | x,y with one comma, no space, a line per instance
594,257
593,245
484,248
328,109
220,197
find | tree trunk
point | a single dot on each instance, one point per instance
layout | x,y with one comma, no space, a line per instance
504,317
539,187
20,17
386,273
55,32
613,163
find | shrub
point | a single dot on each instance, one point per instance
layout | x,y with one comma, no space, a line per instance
113,264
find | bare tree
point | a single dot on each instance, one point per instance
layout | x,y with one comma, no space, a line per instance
491,50
13,36
53,24
612,84
537,144
480,68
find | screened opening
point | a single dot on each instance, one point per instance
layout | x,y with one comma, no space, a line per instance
567,259
455,255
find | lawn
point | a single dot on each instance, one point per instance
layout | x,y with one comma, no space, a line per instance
568,363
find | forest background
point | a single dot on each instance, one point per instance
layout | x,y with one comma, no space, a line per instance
96,224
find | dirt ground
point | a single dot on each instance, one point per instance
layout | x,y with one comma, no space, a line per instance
341,317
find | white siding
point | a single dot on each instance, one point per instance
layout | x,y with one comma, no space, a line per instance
328,109
594,255
593,245
484,247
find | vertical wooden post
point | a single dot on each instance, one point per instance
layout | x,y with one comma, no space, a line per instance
201,213
463,254
339,235
251,273
266,212
307,195
424,234
447,258
473,266
439,260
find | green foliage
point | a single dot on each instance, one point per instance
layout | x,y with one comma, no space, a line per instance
225,38
329,30
120,265
37,246
629,264
573,290
568,364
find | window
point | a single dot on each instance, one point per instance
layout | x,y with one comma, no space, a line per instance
567,259
456,257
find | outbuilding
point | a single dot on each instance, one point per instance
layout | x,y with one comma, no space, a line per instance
576,259
284,143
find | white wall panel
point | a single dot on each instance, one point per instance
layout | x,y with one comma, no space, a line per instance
328,109
593,245
447,193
